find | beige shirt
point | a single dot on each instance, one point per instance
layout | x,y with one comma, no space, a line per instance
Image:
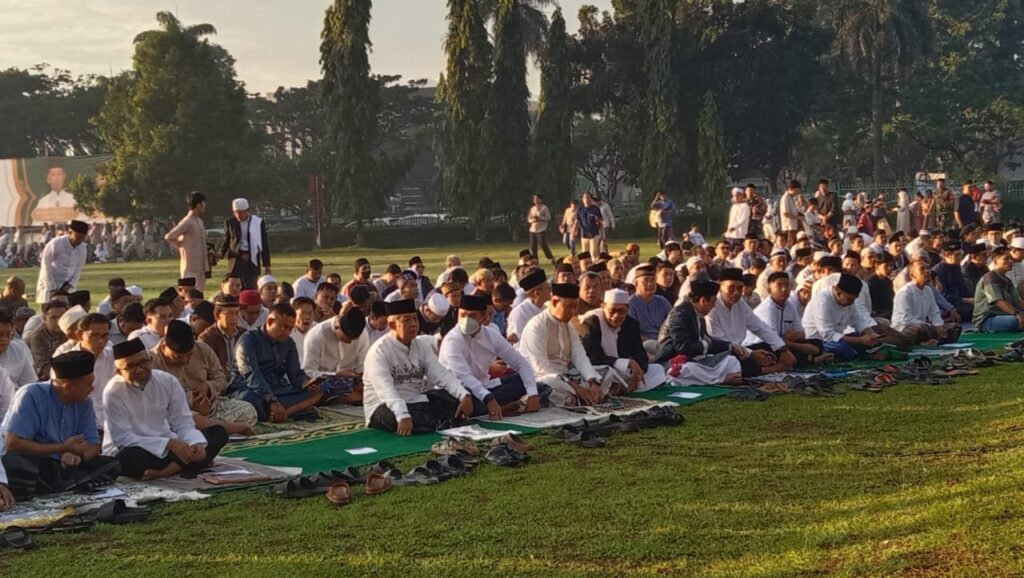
539,218
189,236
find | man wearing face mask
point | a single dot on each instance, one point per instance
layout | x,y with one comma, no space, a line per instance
149,427
335,351
469,351
360,276
553,347
612,339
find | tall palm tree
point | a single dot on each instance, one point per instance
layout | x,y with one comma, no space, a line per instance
883,40
170,23
531,13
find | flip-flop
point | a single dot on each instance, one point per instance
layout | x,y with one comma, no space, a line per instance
16,537
339,494
377,484
514,441
324,480
588,440
383,467
437,470
299,488
419,476
455,465
116,512
67,524
350,474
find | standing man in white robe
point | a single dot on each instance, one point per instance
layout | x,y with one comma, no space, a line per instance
61,262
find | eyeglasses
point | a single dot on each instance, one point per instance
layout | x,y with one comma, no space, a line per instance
140,364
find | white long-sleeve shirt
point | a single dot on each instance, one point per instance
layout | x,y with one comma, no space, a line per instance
827,320
17,360
323,354
862,304
781,319
147,417
149,337
519,316
60,263
554,348
914,305
305,288
396,375
469,357
733,323
739,221
7,389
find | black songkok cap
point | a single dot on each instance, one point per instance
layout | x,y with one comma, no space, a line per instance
703,289
850,284
583,255
128,348
566,290
475,302
187,282
533,280
204,311
804,252
952,246
400,307
598,267
353,323
179,337
73,364
830,261
168,294
730,274
79,227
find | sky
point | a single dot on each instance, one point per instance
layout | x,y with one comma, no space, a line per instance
274,42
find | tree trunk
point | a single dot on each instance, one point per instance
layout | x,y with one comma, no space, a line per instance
876,114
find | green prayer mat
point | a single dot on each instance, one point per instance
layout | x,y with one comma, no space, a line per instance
334,452
664,393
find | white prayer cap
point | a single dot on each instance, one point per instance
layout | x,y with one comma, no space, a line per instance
264,280
240,204
1013,231
438,305
706,245
851,230
396,296
693,261
801,235
70,317
679,268
1017,243
737,191
780,252
616,297
819,254
924,233
135,290
867,251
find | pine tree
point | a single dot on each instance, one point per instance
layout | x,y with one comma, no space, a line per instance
711,156
351,100
507,131
553,153
462,98
663,136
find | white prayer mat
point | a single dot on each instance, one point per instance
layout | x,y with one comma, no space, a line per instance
476,433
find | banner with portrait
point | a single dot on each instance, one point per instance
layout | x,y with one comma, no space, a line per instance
35,191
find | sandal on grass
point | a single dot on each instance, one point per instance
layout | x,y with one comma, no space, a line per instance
339,494
16,537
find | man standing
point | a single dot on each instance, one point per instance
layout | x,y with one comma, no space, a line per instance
739,218
666,212
991,204
189,238
789,213
608,217
61,262
245,244
591,225
965,213
539,217
828,205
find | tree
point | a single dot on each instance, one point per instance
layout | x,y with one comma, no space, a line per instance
351,101
885,40
663,136
531,15
507,130
553,152
175,123
462,97
599,154
711,156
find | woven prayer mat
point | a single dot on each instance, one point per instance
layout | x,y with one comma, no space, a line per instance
334,419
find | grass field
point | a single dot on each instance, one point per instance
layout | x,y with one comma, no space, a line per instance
916,481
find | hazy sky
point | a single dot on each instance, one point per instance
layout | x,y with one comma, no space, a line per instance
275,42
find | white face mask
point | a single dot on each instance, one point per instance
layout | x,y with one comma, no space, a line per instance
468,325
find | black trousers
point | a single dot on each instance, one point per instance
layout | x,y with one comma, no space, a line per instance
805,359
750,367
542,239
243,268
31,475
437,413
664,235
135,460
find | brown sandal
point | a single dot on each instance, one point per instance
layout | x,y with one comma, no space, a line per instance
377,484
339,494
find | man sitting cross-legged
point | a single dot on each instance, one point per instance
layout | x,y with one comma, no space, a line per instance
831,311
915,313
685,333
731,320
196,366
537,291
612,338
553,347
335,351
149,426
267,370
470,350
780,313
406,389
224,334
50,430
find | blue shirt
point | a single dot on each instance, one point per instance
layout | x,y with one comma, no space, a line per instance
590,221
499,321
651,315
37,414
267,366
666,211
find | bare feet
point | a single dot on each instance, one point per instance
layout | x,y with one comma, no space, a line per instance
824,358
172,469
734,379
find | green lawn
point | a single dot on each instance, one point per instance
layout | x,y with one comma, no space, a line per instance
916,481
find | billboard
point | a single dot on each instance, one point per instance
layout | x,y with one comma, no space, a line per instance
34,191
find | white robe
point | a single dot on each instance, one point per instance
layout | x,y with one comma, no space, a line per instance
323,354
518,318
732,324
469,357
655,375
780,319
17,361
147,418
305,288
396,375
915,305
827,320
554,349
149,337
60,264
